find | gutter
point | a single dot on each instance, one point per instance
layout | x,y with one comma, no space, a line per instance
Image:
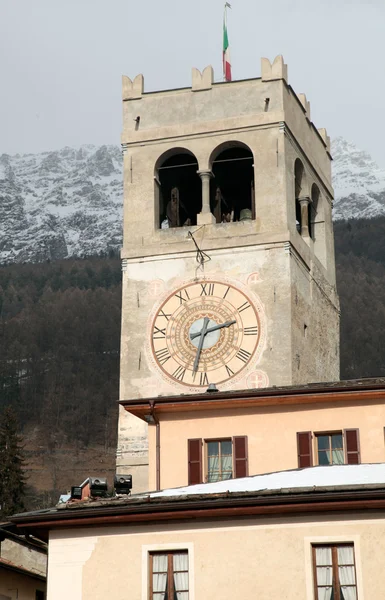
157,444
203,507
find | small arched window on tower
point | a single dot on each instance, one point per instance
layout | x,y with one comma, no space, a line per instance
298,177
178,189
232,185
313,209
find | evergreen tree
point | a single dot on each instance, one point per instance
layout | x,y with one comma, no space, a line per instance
12,478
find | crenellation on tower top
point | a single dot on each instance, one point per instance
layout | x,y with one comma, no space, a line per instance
326,138
305,103
202,80
275,70
132,89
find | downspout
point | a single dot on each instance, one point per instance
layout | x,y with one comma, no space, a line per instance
157,443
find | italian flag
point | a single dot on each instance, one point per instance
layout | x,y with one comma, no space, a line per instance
226,50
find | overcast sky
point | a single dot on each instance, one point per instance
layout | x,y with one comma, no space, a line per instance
62,61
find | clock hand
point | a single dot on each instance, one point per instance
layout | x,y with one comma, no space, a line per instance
210,329
203,332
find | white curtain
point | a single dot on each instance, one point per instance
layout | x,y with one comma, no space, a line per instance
159,577
227,467
213,470
324,573
346,572
181,576
338,457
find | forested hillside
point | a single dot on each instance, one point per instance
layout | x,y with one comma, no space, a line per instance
59,350
59,366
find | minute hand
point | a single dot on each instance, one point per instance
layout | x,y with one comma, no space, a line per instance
214,328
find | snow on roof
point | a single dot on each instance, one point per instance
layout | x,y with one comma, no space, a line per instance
318,477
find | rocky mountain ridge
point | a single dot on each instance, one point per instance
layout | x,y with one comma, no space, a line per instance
69,202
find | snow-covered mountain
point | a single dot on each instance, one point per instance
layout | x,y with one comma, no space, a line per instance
58,204
69,202
359,183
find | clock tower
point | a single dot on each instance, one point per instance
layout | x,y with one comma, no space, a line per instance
228,254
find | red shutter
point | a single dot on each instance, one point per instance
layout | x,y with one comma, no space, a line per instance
352,446
194,461
304,445
240,457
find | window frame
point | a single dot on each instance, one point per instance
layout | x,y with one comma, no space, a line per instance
169,547
329,433
206,457
170,571
335,577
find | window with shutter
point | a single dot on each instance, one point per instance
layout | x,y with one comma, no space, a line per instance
194,461
337,447
304,446
226,458
352,446
240,456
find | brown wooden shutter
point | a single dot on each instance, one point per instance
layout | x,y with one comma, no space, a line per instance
352,446
240,456
304,445
194,461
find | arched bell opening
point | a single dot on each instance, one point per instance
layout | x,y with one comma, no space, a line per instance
232,195
313,209
178,189
298,178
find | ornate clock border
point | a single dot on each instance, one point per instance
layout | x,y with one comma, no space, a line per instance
206,330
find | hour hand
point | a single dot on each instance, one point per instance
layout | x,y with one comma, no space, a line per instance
202,333
213,328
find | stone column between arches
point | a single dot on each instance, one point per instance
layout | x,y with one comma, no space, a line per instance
205,217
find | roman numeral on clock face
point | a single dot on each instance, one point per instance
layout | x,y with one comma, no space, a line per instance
162,355
183,296
207,289
179,373
243,355
163,314
243,307
250,331
203,379
230,373
158,334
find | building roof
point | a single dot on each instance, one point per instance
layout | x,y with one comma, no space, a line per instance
313,477
316,489
349,391
10,566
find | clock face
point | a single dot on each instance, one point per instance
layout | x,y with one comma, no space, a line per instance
205,332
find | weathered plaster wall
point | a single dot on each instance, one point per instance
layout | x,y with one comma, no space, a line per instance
22,555
17,586
248,558
271,433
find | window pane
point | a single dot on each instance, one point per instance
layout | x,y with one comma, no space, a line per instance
347,575
345,555
159,582
226,447
323,556
324,575
324,457
337,441
323,442
227,467
338,457
325,593
159,563
348,593
213,448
